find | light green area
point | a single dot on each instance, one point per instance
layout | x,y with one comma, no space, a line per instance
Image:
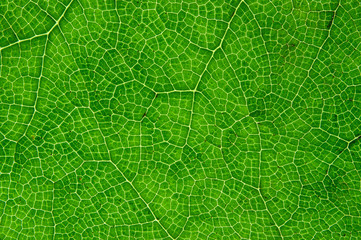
177,119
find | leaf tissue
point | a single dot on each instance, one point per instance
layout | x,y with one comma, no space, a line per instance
170,119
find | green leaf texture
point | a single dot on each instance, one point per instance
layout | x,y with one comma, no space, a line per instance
169,119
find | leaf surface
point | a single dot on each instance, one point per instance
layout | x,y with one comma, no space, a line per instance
180,119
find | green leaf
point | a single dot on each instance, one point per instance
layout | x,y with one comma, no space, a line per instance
180,119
